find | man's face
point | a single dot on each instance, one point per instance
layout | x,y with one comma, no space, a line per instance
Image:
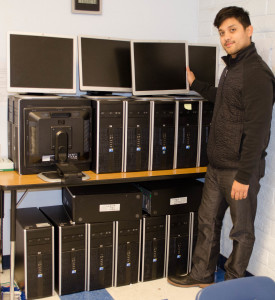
234,37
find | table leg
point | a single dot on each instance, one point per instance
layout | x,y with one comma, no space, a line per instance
12,241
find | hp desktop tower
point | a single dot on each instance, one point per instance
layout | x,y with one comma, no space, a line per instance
153,260
100,255
107,134
167,197
34,127
206,118
136,135
187,133
102,203
179,244
70,251
162,134
127,252
34,253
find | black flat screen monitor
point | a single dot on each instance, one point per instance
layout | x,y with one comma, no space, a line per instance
104,64
203,62
159,67
40,63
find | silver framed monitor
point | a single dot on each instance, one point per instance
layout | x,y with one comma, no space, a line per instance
204,62
41,63
159,67
104,64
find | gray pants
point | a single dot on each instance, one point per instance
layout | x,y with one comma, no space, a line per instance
215,200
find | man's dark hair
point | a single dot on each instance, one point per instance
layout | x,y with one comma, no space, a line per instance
232,12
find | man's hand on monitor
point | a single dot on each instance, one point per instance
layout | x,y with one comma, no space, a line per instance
190,76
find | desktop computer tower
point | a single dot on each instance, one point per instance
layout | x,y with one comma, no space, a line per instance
34,253
102,203
107,134
206,118
101,239
187,133
136,135
70,251
162,134
179,244
33,124
153,260
127,252
167,197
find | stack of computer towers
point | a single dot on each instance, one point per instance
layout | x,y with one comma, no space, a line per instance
206,118
136,135
34,253
113,215
162,134
187,133
170,207
107,134
70,251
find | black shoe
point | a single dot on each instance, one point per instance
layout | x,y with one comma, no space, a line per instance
187,281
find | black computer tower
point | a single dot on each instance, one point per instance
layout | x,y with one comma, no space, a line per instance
153,253
102,203
107,134
101,239
34,253
136,135
187,133
179,244
162,135
165,197
127,252
207,113
70,251
30,158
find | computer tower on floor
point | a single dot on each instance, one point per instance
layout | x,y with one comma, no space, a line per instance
187,130
153,260
34,253
165,197
206,118
179,244
107,134
162,134
101,239
70,251
102,203
127,252
136,135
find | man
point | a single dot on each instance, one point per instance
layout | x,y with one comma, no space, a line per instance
238,138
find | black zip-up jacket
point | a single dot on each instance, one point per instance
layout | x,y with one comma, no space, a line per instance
240,127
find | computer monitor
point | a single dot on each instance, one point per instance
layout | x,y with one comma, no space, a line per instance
159,67
203,62
104,65
41,63
56,135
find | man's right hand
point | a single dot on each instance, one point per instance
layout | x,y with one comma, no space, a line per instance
190,76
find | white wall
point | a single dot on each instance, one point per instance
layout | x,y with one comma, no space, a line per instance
137,19
262,15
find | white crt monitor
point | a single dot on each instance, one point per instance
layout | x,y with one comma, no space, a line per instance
41,63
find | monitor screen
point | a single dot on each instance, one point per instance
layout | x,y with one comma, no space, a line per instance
39,63
159,67
203,62
56,133
104,64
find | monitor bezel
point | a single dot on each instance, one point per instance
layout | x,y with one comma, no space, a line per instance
217,57
90,88
157,92
41,90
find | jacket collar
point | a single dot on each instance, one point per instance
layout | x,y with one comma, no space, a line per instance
241,54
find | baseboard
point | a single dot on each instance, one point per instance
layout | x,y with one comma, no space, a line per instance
221,262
